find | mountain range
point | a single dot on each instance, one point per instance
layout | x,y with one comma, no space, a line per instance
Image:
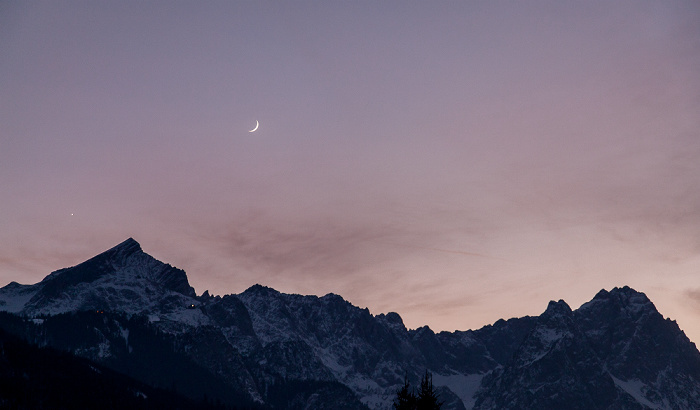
127,312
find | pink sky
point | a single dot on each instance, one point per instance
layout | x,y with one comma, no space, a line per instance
456,163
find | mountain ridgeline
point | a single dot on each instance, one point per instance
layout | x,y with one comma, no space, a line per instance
137,317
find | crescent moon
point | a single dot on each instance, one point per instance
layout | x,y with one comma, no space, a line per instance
257,124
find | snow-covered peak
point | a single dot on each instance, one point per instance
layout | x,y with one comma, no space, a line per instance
606,352
124,249
625,294
631,299
122,278
115,256
625,300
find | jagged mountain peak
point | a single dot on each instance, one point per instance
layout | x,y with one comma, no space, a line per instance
128,246
615,351
120,278
391,317
128,262
625,294
260,289
123,251
630,298
558,308
333,297
619,301
115,256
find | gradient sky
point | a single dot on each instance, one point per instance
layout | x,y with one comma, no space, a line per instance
455,162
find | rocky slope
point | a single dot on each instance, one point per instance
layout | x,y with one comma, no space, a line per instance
269,349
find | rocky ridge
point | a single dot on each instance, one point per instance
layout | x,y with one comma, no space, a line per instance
272,349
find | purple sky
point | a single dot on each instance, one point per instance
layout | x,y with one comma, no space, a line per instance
455,162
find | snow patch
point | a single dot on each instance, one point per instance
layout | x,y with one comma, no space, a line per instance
635,388
125,335
188,317
331,362
375,401
464,386
548,336
13,301
104,350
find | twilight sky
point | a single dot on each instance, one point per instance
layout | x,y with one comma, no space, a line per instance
455,162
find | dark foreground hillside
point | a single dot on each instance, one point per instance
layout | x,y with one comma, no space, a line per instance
45,378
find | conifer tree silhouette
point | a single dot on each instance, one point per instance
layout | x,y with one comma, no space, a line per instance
405,398
426,399
427,396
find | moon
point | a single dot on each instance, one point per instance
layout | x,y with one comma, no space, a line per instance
257,124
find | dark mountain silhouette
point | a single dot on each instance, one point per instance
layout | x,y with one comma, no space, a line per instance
139,317
45,378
